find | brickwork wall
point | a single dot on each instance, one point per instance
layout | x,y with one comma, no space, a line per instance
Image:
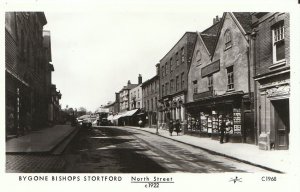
263,44
187,42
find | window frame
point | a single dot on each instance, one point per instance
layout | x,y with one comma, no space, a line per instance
227,39
195,86
230,78
281,39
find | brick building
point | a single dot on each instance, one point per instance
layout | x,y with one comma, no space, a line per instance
27,72
150,98
271,57
221,80
173,81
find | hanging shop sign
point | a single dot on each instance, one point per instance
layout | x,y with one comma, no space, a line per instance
211,68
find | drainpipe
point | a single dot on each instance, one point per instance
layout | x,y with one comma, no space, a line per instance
253,35
251,58
249,76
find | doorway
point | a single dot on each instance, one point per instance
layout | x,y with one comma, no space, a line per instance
281,124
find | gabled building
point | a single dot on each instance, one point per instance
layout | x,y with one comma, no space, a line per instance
271,56
221,80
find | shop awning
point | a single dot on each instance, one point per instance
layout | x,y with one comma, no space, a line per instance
110,117
130,113
116,117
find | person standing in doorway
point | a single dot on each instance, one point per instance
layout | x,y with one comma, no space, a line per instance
222,130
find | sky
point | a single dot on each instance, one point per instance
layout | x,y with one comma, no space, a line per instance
95,53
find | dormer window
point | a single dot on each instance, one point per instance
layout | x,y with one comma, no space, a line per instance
228,42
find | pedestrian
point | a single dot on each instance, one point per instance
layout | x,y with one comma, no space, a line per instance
222,130
140,122
171,128
228,129
177,126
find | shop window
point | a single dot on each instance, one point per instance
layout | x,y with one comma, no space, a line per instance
210,83
278,42
228,42
195,86
230,78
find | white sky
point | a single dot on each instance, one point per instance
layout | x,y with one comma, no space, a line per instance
98,46
96,53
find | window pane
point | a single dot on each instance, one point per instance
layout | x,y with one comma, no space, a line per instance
280,51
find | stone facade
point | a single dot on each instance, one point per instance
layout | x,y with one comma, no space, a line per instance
271,56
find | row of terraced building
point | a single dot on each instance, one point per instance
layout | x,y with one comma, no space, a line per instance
237,70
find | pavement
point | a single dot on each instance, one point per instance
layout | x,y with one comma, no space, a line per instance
275,160
41,141
49,139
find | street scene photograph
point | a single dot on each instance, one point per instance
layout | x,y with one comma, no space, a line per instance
147,91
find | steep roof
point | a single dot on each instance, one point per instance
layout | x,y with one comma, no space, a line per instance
209,36
244,19
212,30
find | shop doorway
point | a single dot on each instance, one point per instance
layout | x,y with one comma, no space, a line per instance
249,127
281,124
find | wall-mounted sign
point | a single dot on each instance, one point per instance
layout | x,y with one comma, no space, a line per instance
211,68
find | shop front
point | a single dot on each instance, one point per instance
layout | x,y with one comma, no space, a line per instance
204,117
18,106
172,110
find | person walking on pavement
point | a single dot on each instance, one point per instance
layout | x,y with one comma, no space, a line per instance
177,127
222,130
140,123
171,128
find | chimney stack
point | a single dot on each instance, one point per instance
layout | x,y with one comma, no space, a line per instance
216,20
128,83
140,80
157,68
